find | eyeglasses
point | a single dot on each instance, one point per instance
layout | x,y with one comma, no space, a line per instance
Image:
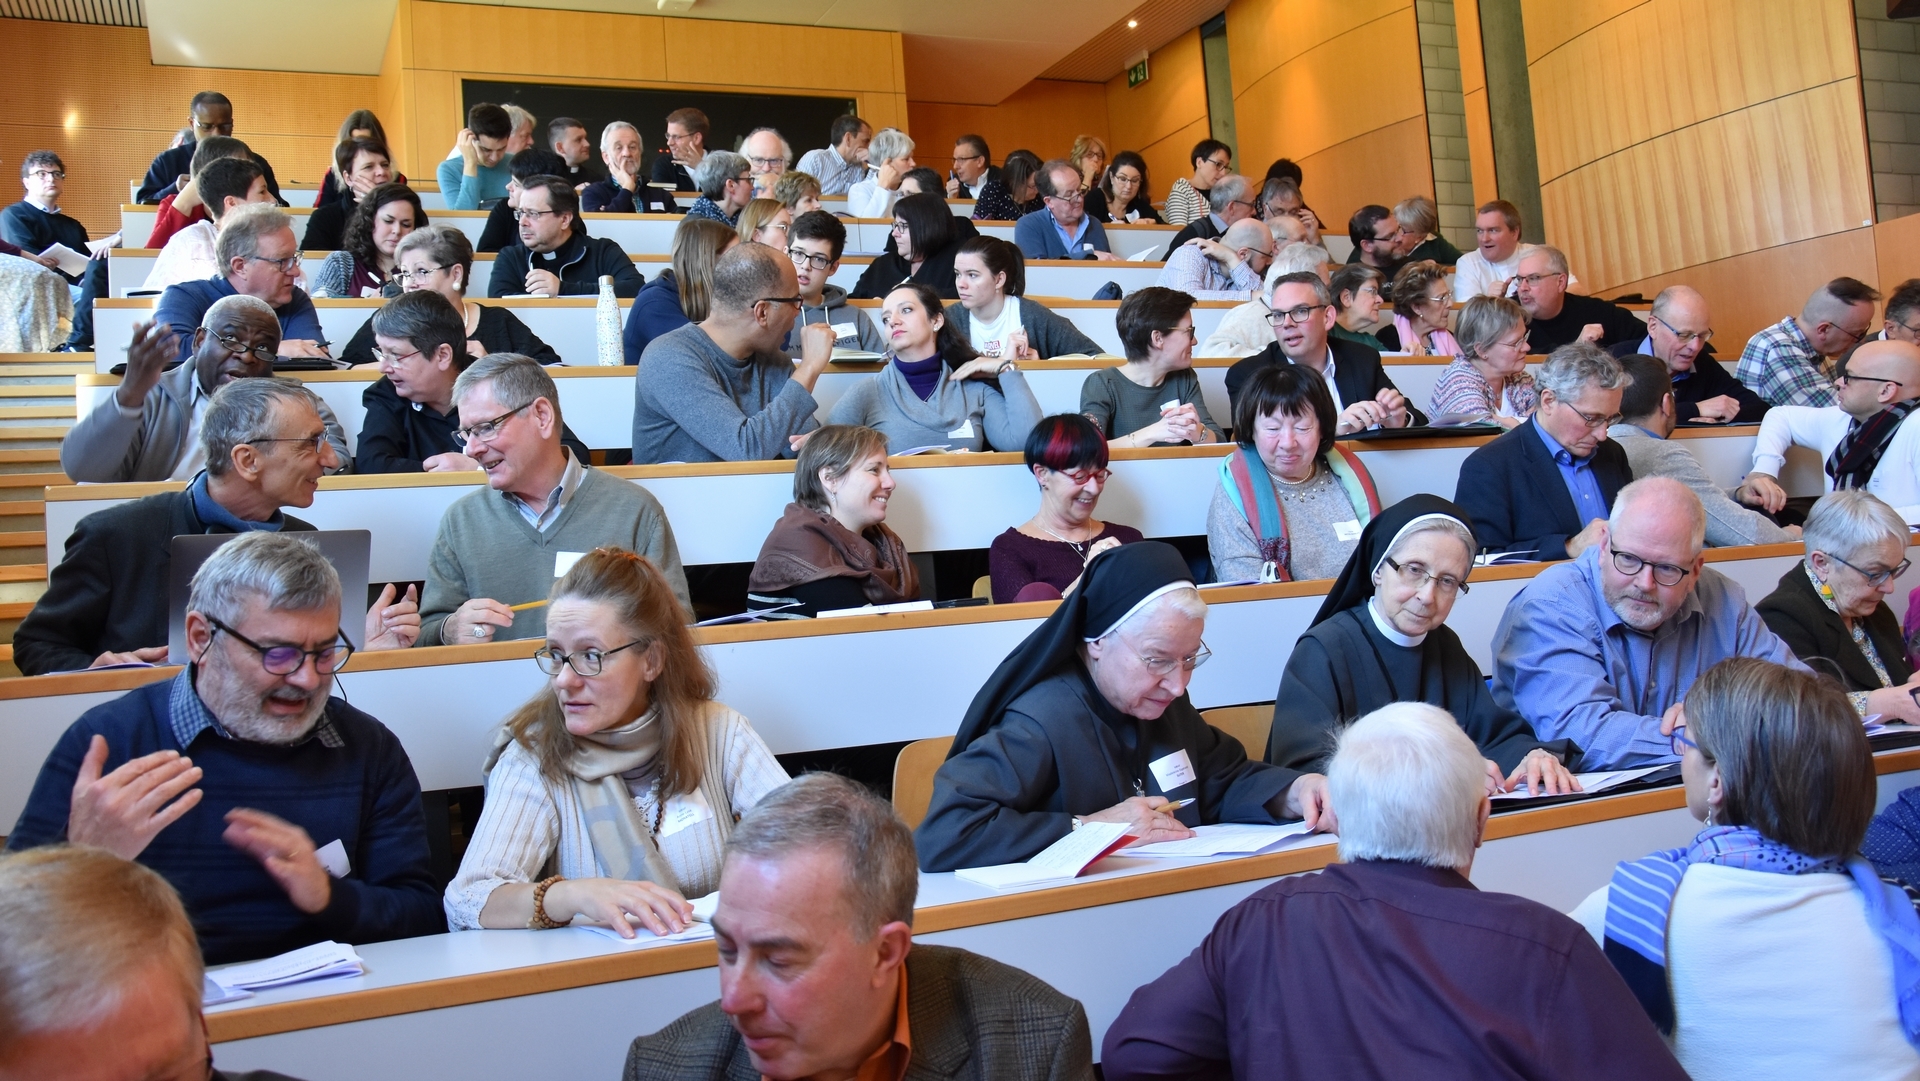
1874,578
1242,202
487,430
1249,253
768,165
1903,326
1684,337
1161,667
1417,575
385,357
1085,476
795,301
1520,345
970,157
314,442
1679,741
1532,281
262,353
522,214
1631,565
1188,329
899,228
587,662
808,259
748,179
405,276
1851,336
1218,164
1076,199
286,660
47,174
285,266
1293,315
1592,422
1443,299
1844,377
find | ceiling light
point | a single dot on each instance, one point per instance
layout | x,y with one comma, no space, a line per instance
1133,24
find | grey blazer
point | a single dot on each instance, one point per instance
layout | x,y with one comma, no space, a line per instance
971,1019
1728,523
1050,335
108,447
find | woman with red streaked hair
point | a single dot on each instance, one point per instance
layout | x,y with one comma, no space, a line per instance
1043,558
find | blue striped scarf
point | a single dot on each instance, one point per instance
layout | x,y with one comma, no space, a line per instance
1640,899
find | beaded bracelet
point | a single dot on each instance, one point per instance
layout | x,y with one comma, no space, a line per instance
541,921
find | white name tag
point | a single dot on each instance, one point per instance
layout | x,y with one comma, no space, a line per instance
1346,531
1168,406
1173,771
965,431
333,857
844,330
686,809
564,561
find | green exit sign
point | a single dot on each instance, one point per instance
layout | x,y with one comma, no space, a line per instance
1137,74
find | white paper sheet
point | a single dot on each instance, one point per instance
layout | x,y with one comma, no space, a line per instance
1225,838
1591,782
1061,861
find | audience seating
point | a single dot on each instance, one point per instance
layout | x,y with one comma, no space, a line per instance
913,776
1248,724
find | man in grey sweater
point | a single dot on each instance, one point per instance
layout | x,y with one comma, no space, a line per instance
722,390
505,544
1647,419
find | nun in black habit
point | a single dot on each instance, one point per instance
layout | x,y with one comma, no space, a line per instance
1089,718
1381,637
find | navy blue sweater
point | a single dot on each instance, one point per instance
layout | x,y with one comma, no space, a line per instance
363,793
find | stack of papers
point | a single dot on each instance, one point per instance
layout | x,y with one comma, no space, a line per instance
1590,782
643,938
1062,861
853,356
320,961
1226,839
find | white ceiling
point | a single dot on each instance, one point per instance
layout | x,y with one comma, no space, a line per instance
1002,44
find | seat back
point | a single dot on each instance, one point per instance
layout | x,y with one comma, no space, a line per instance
1248,724
913,777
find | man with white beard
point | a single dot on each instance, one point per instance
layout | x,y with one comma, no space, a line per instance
283,816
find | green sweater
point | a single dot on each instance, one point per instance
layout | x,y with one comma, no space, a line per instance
486,549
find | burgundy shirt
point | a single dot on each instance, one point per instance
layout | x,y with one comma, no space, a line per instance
1017,560
1383,969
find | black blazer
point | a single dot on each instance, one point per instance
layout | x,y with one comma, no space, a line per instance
1517,499
110,592
1357,373
1801,619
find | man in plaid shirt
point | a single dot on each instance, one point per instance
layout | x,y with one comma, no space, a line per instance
1787,363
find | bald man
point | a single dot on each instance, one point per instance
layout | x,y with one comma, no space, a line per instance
1678,332
1791,362
1225,269
1869,440
1602,649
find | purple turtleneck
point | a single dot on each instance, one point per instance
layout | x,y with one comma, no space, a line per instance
922,375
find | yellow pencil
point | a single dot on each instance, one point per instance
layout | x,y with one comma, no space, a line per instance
524,607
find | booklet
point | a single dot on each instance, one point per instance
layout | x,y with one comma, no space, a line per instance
1062,861
320,961
1590,783
1226,839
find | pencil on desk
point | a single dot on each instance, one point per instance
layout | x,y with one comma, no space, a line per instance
524,607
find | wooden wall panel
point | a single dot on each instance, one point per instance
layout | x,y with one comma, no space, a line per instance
1043,116
1473,86
1163,117
1264,34
1897,251
1552,23
1383,166
117,109
1755,289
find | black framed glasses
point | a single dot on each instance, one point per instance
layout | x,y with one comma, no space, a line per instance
809,259
1853,337
487,430
524,214
1294,315
285,660
1074,199
1667,574
1417,575
1845,377
586,662
262,353
1874,578
795,301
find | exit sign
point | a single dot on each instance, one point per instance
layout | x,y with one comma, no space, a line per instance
1137,74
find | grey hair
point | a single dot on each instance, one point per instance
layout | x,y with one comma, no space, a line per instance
1408,785
516,379
285,570
606,135
714,170
1450,526
445,244
241,229
1571,367
887,144
235,304
80,931
1556,259
786,148
1226,191
1418,214
1311,278
743,274
519,118
1298,257
241,412
1647,487
1186,601
1484,321
827,811
1843,523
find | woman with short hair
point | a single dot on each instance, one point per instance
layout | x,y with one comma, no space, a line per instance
1720,937
1419,219
1831,609
995,316
832,549
926,238
890,156
1381,637
1044,557
680,294
798,192
1357,299
935,390
1487,381
1154,399
364,265
612,791
1291,503
440,258
361,164
765,221
359,124
1121,197
1422,304
1014,193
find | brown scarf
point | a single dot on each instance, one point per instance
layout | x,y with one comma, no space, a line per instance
807,546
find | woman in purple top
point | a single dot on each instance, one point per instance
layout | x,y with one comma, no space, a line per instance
1043,558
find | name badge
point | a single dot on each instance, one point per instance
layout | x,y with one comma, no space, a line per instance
965,431
1168,406
844,330
564,561
681,811
333,857
1346,531
1173,771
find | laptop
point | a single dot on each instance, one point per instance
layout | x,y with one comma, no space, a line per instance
349,550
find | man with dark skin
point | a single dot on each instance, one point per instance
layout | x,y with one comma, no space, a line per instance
210,113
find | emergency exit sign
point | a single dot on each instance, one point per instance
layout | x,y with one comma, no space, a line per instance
1137,74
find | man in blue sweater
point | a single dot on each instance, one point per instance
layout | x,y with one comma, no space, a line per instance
36,223
1062,229
258,257
283,817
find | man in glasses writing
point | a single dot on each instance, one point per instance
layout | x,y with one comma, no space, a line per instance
258,258
283,816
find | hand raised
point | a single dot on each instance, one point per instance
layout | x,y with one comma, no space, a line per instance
125,810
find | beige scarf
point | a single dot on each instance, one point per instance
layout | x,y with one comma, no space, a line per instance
600,765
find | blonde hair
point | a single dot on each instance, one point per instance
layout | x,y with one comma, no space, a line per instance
1082,146
755,214
645,606
697,245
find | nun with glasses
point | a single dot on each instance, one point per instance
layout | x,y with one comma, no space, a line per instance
1382,637
1088,719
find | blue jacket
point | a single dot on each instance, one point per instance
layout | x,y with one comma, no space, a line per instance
1038,238
183,306
1517,498
655,311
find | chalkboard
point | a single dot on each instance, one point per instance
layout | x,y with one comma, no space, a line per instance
803,119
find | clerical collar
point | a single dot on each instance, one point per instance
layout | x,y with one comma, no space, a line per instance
1405,641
